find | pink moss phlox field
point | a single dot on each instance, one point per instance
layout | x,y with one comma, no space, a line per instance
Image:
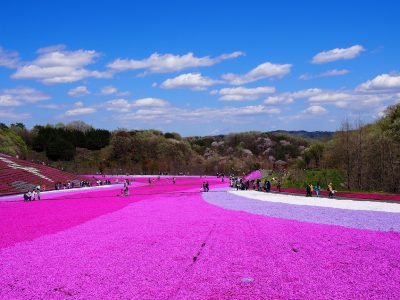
165,242
21,221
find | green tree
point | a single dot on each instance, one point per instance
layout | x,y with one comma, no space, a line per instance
60,149
316,151
121,144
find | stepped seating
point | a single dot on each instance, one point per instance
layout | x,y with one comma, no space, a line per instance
18,176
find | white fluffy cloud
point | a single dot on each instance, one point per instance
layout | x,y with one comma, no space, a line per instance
338,54
56,65
315,110
123,105
199,115
153,102
8,59
289,97
352,99
79,109
243,93
265,70
21,95
329,73
112,90
194,81
79,91
280,99
10,115
349,99
108,90
165,63
382,82
305,93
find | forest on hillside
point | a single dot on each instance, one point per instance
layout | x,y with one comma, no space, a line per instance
362,156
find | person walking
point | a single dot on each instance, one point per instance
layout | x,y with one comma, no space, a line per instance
317,188
279,186
330,190
126,190
308,190
268,186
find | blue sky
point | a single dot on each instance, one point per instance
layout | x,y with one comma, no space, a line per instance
198,67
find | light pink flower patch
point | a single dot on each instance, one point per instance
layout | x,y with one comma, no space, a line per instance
253,175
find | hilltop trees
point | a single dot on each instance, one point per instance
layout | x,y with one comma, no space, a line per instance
58,148
369,154
60,142
367,157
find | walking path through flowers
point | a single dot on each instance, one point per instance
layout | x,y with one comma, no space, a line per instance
321,201
165,241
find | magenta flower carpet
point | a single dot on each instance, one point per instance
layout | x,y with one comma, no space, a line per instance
165,241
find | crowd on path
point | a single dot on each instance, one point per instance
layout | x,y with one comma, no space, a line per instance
257,184
73,184
34,194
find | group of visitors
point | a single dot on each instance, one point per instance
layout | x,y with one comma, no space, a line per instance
84,183
100,182
152,180
263,187
317,189
205,187
266,186
257,184
239,183
72,184
33,194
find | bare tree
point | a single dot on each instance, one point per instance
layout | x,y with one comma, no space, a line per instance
359,158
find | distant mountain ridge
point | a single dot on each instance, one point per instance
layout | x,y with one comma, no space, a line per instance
318,135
